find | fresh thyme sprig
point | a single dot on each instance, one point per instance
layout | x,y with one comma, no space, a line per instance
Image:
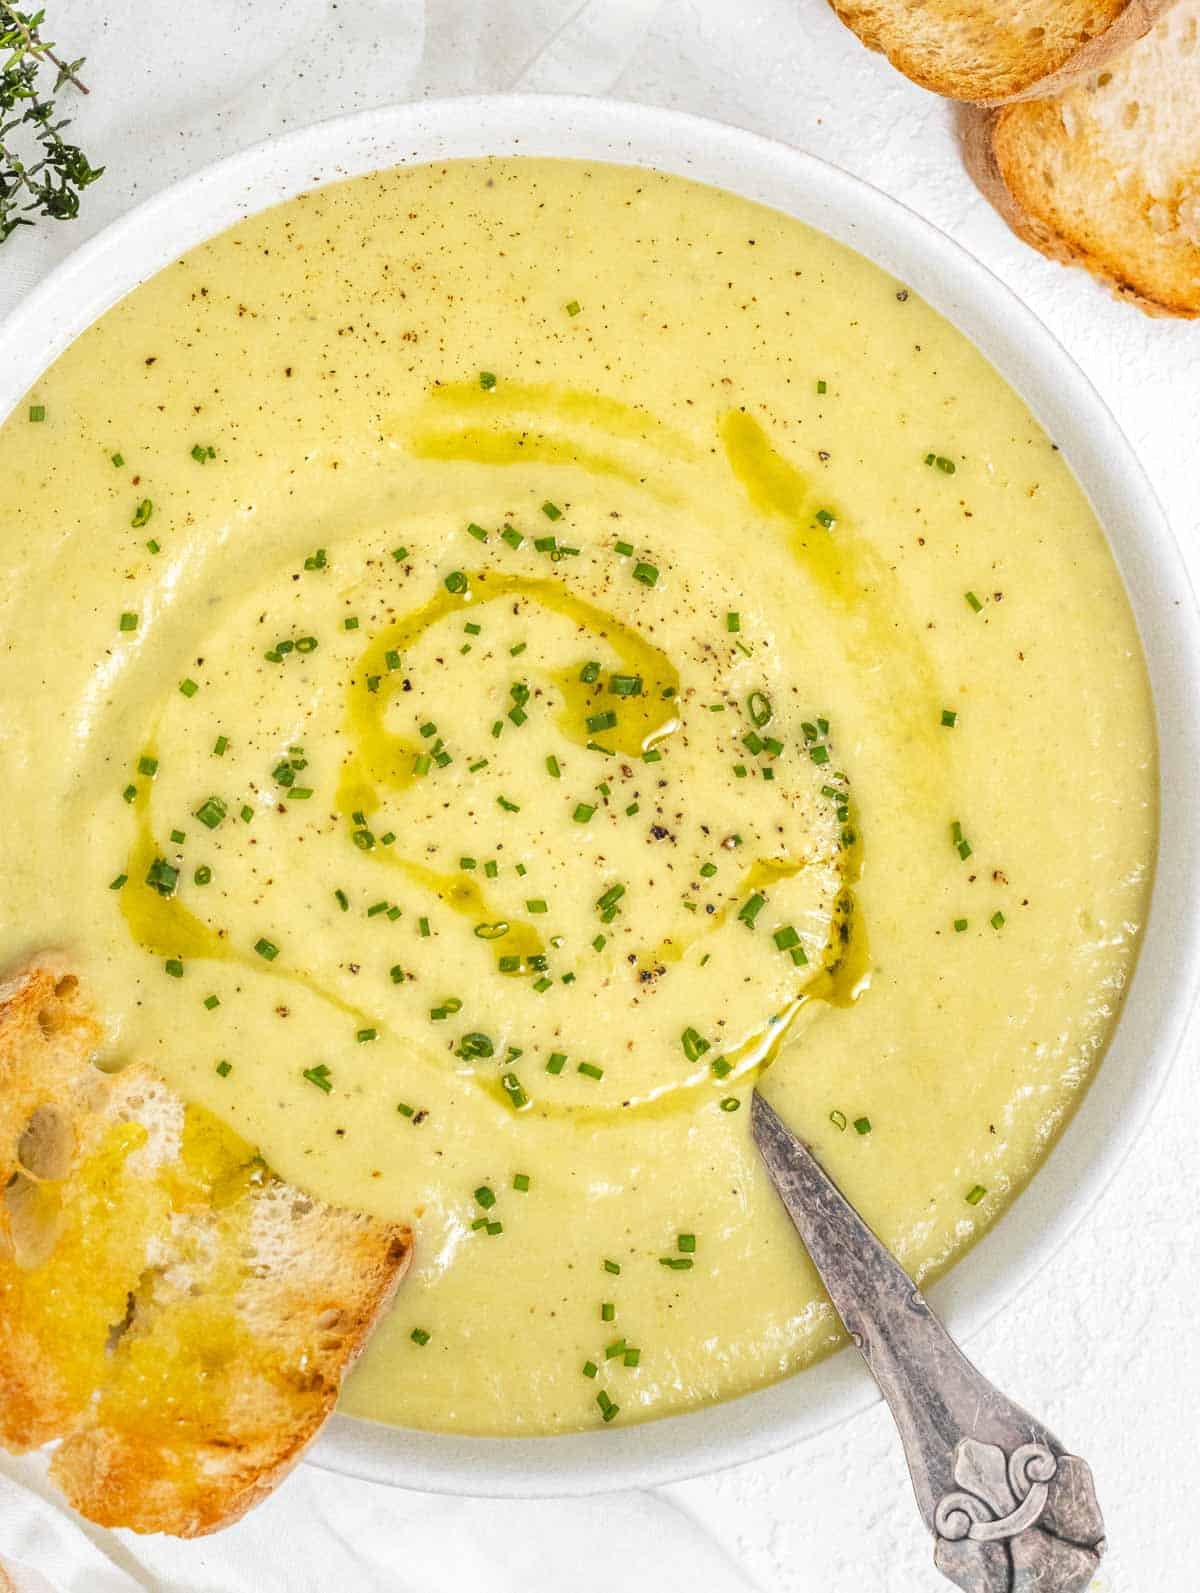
40,173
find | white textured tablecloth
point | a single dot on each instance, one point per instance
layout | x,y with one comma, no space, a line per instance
1106,1349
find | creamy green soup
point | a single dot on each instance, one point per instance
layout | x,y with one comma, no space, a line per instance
501,657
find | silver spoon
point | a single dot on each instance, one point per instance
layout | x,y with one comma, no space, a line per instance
1009,1509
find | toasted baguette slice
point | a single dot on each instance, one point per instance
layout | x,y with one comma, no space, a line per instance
989,51
1107,175
176,1315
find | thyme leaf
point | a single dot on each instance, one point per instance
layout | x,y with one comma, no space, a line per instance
40,172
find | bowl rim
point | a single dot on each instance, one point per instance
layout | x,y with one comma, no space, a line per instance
1163,993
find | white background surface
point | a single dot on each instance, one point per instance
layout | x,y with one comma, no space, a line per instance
1103,1345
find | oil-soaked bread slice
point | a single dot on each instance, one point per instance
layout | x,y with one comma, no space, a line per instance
179,1317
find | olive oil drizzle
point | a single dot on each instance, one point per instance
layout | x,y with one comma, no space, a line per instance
851,575
165,927
487,427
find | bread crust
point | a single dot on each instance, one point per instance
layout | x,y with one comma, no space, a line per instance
886,26
1006,184
295,1286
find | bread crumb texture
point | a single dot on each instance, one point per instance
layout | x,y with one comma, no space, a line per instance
1107,175
174,1313
987,52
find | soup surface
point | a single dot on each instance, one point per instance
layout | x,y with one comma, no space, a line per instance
498,657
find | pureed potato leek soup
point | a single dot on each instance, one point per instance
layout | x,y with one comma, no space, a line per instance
498,658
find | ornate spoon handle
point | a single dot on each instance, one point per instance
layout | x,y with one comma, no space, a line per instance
1009,1509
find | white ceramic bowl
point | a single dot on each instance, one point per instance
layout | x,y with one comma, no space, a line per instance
1163,992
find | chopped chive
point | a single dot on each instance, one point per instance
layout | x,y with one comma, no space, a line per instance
174,967
148,765
822,387
604,721
203,452
975,1194
363,1035
118,461
477,532
694,1044
625,685
203,875
552,767
507,805
212,1001
405,1109
646,574
551,510
686,1243
608,1311
997,920
153,546
730,1103
862,1125
582,813
625,549
959,925
511,1085
128,622
475,1045
572,306
557,1062
721,1067
266,949
786,938
350,623
612,1266
116,884
590,1368
419,1336
512,537
750,910
758,706
141,515
949,718
455,582
485,1197
319,1075
224,1069
162,877
521,1182
825,518
972,601
211,812
487,380
590,1070
188,687
677,1263
607,1409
